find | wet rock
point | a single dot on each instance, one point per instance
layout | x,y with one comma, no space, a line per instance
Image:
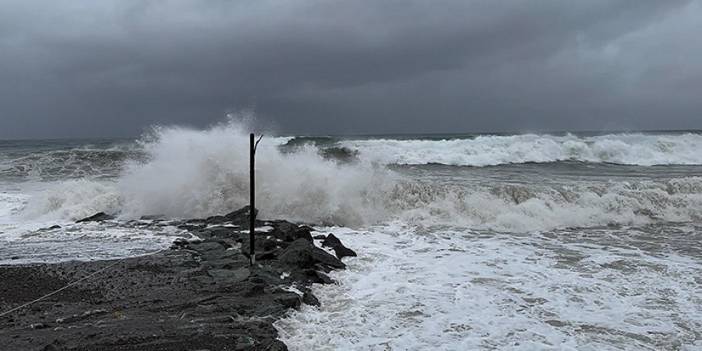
289,300
302,233
219,232
54,346
206,246
152,217
331,240
302,253
311,276
179,243
261,245
310,299
98,217
241,216
276,345
323,278
335,244
267,255
228,276
222,263
288,232
254,289
202,295
79,317
343,251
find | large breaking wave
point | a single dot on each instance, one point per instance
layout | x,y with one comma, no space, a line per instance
490,150
189,173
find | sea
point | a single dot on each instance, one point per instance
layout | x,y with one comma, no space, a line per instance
523,241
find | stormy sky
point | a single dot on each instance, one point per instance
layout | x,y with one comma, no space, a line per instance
85,68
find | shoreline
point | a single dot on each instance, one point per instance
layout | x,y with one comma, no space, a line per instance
201,294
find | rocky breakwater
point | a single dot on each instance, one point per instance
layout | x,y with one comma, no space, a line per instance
202,294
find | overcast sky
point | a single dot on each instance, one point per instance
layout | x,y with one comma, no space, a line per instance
113,67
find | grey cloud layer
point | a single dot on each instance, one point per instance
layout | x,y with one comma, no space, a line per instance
95,68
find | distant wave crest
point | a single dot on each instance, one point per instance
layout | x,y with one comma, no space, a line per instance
491,150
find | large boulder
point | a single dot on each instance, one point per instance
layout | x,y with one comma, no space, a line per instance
289,232
303,254
239,217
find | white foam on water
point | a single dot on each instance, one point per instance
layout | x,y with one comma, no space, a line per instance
197,173
488,150
207,173
27,214
535,206
464,290
11,203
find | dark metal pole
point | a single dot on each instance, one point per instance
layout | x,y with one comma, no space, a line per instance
252,205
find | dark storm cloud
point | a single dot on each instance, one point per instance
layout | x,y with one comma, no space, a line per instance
95,68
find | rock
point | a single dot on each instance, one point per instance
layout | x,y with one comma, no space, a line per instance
152,217
206,246
261,245
240,216
54,346
342,251
98,217
289,300
331,241
319,237
215,220
323,278
218,232
289,232
302,253
310,299
79,317
339,249
276,345
311,276
228,276
254,290
267,255
302,233
179,243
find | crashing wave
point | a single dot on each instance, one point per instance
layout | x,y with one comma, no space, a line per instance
188,173
491,150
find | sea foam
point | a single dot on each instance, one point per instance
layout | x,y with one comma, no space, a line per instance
189,173
490,150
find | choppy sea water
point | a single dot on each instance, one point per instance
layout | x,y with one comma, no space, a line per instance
496,242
